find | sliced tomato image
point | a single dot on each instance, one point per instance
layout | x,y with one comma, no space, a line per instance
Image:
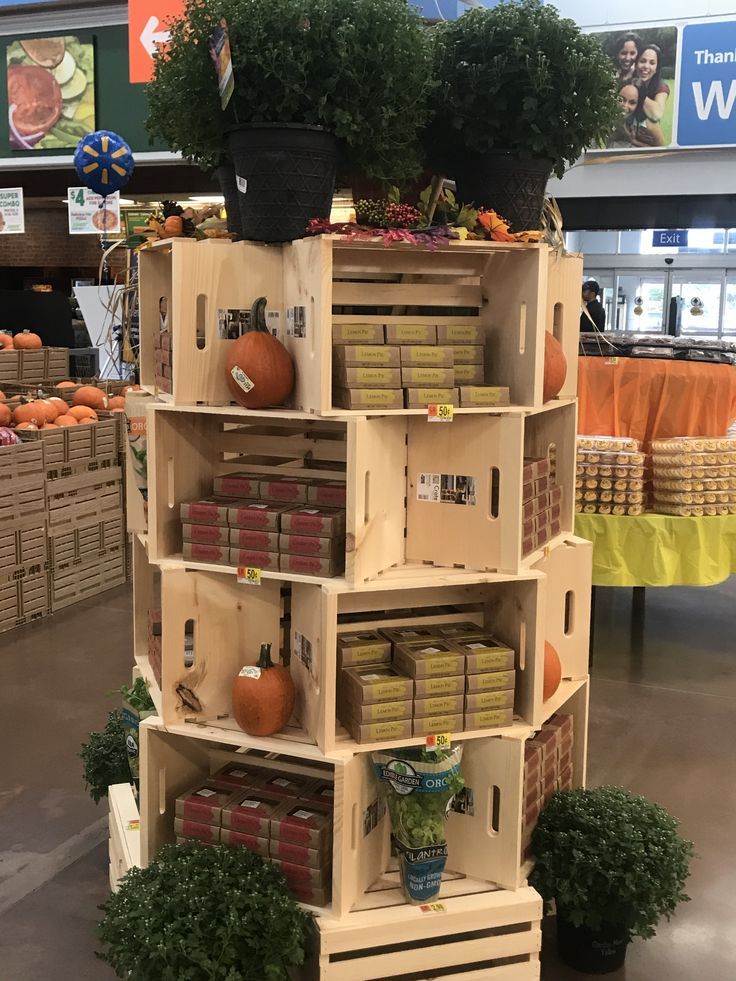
34,100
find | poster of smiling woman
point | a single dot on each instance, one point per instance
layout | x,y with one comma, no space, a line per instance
645,61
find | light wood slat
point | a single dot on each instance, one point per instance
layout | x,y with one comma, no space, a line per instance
406,294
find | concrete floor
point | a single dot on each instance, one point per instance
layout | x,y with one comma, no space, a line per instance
663,723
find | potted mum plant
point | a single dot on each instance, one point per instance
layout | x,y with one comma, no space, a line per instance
217,912
522,92
614,864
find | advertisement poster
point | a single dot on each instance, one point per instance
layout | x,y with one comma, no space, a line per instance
707,103
12,215
51,92
645,60
90,213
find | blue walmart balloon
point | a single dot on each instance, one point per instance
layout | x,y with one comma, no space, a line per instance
104,162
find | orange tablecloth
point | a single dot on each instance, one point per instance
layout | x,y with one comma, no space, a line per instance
653,399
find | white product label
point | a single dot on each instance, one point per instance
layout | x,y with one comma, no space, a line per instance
259,507
273,322
446,488
477,646
242,184
304,815
431,650
250,672
296,322
249,803
371,677
238,773
242,379
281,782
206,793
310,511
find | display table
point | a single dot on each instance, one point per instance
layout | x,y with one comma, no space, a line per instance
659,550
655,399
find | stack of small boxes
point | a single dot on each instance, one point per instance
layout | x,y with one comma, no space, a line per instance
542,504
163,361
154,644
410,366
547,769
611,476
274,523
417,680
285,818
694,476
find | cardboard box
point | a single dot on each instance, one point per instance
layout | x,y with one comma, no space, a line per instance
427,377
311,565
482,701
468,353
254,844
491,681
555,495
303,823
405,334
373,377
419,398
302,876
484,653
546,742
311,519
210,534
541,484
375,683
332,493
489,719
288,786
250,538
260,516
209,833
534,467
439,705
484,395
372,732
254,558
290,489
368,398
368,647
309,545
357,334
434,687
460,334
413,633
201,552
533,755
459,631
376,711
238,777
431,725
424,354
429,659
210,511
469,374
293,854
366,355
243,485
249,812
322,792
561,724
203,803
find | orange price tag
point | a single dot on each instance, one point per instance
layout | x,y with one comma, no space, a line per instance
440,413
249,575
440,740
433,908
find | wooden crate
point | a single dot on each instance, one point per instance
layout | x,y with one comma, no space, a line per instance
71,449
86,542
26,497
34,596
85,579
198,279
22,543
9,603
84,498
33,367
568,568
20,461
124,832
146,597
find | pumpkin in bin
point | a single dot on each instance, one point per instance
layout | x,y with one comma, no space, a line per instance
552,671
26,341
6,342
66,421
555,367
66,384
30,412
116,402
260,371
91,396
80,412
263,696
6,416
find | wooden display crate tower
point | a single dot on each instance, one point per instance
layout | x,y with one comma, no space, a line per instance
407,564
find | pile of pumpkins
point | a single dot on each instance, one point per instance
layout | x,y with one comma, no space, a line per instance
21,412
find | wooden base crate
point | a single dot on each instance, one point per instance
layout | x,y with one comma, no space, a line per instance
86,543
68,450
569,568
22,543
19,461
85,579
84,498
125,832
34,367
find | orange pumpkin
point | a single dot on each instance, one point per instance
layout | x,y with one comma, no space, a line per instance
116,402
6,342
174,226
259,370
49,425
66,421
82,412
555,367
552,671
6,415
88,421
26,425
131,388
263,696
66,384
33,412
2,396
90,396
60,405
51,409
26,341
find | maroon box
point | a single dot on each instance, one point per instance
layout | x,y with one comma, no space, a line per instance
209,833
303,822
164,340
201,552
243,485
547,742
528,510
527,491
323,792
555,494
249,812
535,467
555,528
252,842
564,781
210,534
541,502
554,512
308,545
211,511
237,776
251,538
323,522
333,493
261,516
533,795
562,724
541,484
532,757
288,786
255,558
311,565
163,384
166,371
289,851
203,803
284,489
302,875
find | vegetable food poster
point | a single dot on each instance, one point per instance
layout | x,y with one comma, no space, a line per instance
51,93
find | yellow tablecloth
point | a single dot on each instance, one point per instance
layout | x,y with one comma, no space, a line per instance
659,550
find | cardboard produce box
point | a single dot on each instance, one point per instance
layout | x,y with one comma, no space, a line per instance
330,493
377,711
291,489
460,334
311,519
366,355
288,786
253,843
243,485
254,557
418,398
252,538
459,631
469,374
439,705
209,833
405,334
375,683
366,377
434,687
210,511
490,681
304,823
323,792
368,398
468,353
309,545
201,552
203,803
484,653
481,701
368,647
483,395
437,724
237,776
372,732
489,719
311,565
357,334
429,659
413,376
250,811
258,516
411,633
294,854
424,354
208,534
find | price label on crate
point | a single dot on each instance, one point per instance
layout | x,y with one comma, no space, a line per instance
440,413
433,908
249,575
441,740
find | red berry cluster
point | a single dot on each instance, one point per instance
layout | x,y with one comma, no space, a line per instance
403,215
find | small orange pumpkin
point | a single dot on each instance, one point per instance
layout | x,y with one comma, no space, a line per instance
131,388
66,421
26,425
51,409
259,370
90,396
33,412
6,342
60,405
27,341
552,671
80,412
88,421
6,415
49,425
66,384
116,402
174,226
555,367
263,696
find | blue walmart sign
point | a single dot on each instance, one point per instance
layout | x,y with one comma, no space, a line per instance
707,93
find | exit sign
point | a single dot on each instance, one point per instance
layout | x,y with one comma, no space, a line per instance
670,238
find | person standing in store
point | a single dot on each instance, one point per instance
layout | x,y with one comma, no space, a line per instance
592,307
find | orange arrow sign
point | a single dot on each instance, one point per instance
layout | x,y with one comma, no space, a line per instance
146,30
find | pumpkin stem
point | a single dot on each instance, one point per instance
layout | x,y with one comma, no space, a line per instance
264,660
258,315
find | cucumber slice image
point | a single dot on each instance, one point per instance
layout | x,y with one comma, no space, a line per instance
65,71
74,88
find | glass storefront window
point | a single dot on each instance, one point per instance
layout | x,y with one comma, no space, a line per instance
641,302
698,300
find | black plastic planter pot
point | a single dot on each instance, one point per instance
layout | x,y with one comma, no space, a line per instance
513,188
225,175
591,951
285,175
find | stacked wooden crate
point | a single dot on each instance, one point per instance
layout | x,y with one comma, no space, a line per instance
47,364
413,558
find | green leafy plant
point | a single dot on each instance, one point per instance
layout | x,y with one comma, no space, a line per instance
105,758
199,913
138,697
519,78
607,856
